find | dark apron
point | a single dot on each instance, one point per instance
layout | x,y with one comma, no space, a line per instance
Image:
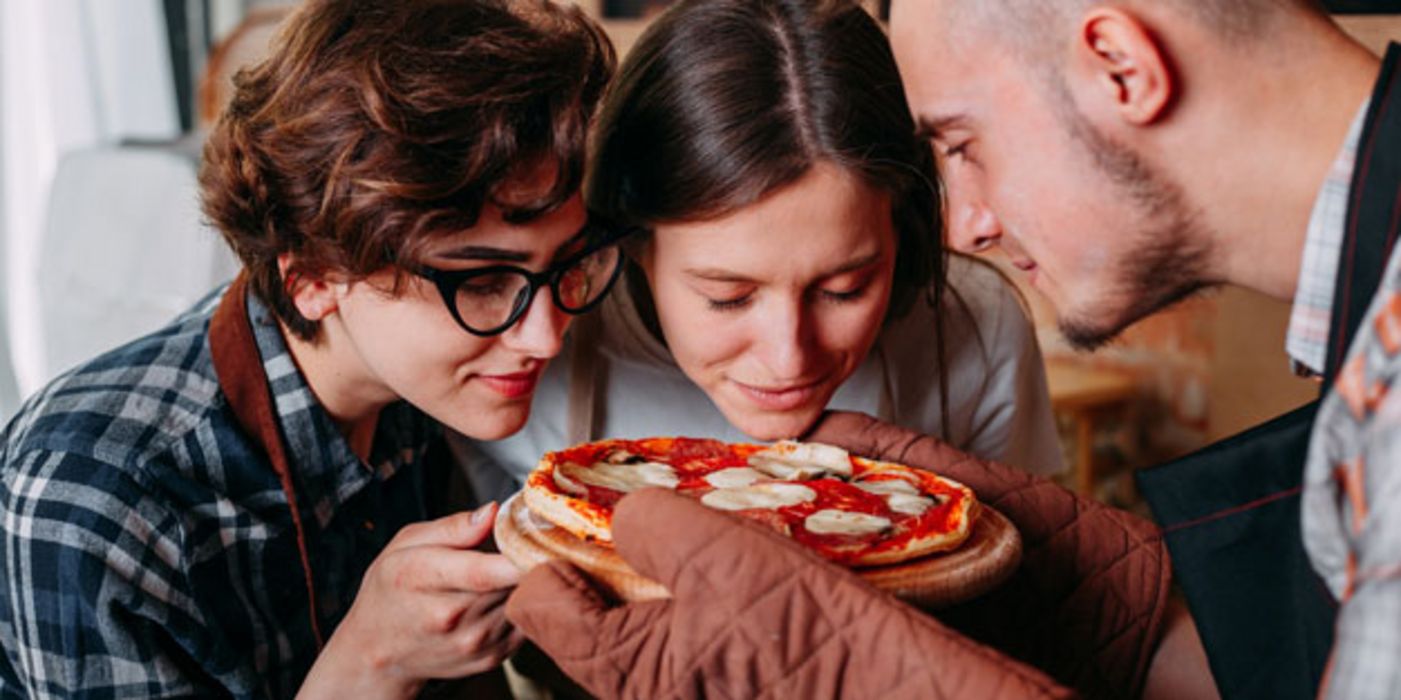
1231,512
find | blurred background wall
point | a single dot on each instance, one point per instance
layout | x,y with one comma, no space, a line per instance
9,391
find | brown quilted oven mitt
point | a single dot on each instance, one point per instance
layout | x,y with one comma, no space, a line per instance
1088,601
753,615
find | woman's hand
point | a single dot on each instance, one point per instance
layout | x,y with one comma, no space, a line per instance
428,607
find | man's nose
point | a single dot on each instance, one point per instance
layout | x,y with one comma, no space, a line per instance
973,227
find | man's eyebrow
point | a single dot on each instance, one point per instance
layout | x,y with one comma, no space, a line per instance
931,127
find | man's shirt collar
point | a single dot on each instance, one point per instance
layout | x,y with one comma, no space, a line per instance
1311,316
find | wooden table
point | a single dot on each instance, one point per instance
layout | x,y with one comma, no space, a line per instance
1084,393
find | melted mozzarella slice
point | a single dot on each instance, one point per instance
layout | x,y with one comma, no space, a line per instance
620,477
733,477
843,522
909,504
567,484
887,486
622,457
759,496
798,461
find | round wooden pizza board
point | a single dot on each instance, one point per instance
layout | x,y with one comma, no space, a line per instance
989,555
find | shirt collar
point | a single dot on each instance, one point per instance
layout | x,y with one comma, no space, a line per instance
328,473
1312,313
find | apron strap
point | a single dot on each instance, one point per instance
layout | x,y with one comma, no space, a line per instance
885,410
584,369
1374,215
244,383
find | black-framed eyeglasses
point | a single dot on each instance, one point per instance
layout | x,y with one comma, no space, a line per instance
487,301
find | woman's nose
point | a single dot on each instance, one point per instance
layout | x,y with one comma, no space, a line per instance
786,343
540,332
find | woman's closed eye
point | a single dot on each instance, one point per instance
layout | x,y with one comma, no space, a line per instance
843,296
724,295
847,286
487,287
728,304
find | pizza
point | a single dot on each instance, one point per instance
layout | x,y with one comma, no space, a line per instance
851,510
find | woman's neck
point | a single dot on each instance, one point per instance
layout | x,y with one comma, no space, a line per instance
342,384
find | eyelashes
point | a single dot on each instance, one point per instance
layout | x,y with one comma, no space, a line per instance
823,295
728,304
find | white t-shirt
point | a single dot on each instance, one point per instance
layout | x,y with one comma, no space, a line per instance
998,405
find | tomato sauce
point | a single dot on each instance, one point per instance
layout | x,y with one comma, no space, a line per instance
695,458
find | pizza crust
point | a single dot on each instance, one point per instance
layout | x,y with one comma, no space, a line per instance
990,554
917,547
565,512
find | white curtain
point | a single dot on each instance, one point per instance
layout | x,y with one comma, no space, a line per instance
73,74
9,393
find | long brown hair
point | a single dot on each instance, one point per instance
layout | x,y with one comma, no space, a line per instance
722,102
376,126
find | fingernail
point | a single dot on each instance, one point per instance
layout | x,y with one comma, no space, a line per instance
481,514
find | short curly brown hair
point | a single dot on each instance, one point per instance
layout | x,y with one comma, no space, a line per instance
376,126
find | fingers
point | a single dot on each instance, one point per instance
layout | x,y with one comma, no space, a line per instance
459,531
490,637
451,570
484,603
717,557
477,572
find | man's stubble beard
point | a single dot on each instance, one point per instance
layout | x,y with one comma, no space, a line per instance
1170,250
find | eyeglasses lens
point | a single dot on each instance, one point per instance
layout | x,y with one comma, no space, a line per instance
485,303
582,283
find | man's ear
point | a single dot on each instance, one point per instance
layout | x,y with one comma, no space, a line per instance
314,296
1119,68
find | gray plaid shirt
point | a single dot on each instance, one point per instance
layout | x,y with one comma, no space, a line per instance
148,546
1352,482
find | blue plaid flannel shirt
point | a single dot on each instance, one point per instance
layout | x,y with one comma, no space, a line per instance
148,546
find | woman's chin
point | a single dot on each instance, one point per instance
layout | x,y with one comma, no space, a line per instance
769,427
490,425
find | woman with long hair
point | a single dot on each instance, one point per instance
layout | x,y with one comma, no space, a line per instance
791,260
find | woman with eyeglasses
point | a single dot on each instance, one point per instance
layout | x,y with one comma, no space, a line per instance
791,260
245,503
